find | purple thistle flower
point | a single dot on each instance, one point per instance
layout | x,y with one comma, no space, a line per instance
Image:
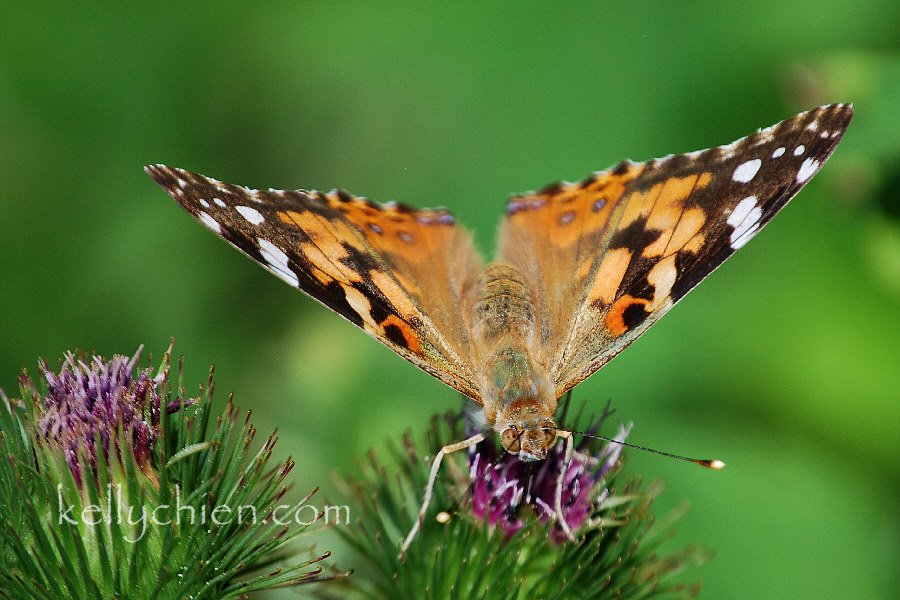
498,491
98,401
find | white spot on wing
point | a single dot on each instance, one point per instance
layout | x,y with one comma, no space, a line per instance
743,235
765,136
807,169
741,211
778,152
747,171
745,220
277,261
203,203
799,150
219,203
813,126
182,182
251,214
210,222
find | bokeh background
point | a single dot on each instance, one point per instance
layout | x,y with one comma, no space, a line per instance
785,363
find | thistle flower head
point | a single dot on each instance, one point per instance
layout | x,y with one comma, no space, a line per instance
99,401
500,487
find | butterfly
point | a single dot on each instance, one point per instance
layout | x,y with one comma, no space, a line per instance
581,271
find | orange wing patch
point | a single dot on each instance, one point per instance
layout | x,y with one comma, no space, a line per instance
686,235
572,211
405,331
628,311
617,320
639,204
324,252
397,229
670,216
609,276
670,202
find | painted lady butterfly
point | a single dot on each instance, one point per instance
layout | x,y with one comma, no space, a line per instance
582,269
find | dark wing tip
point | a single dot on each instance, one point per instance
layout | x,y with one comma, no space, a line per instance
169,178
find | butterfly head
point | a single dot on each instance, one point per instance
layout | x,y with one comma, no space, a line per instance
519,403
529,441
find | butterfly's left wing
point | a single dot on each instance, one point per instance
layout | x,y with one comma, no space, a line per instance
609,256
396,272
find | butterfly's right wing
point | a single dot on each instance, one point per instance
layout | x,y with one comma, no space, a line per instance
609,256
396,272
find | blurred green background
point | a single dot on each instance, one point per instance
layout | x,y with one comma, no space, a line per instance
785,363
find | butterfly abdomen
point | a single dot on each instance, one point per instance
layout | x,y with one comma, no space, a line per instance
503,305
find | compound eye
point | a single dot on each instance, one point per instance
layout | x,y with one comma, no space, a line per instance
511,440
549,437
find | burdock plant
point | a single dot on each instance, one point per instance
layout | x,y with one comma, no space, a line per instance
115,485
492,533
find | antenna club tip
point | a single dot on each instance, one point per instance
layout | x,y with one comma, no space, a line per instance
715,464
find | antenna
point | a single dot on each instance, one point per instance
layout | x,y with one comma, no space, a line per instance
711,464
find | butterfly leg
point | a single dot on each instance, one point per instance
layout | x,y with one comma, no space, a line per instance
570,451
429,488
